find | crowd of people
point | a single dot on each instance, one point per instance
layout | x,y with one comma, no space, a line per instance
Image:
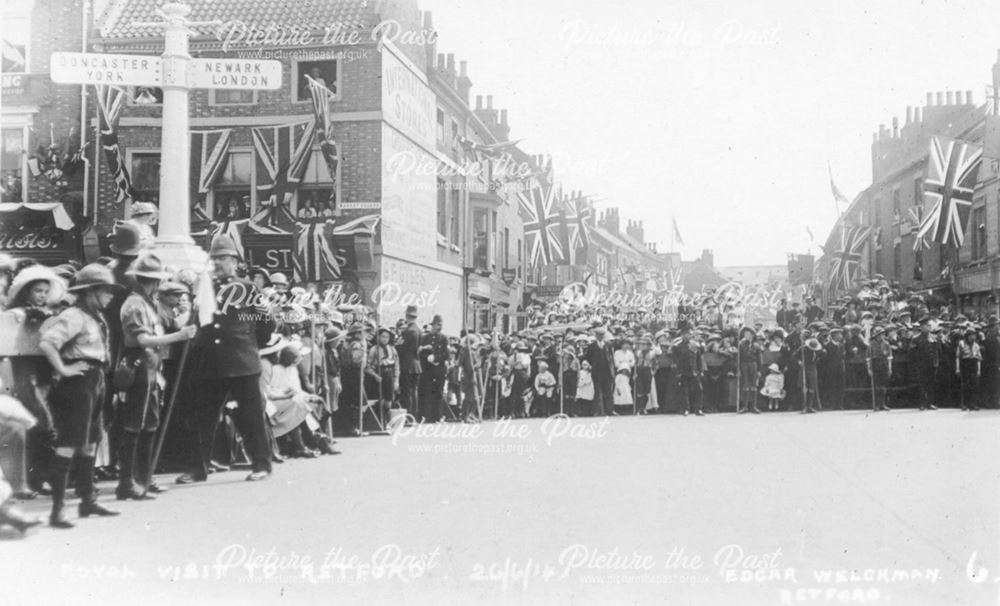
124,359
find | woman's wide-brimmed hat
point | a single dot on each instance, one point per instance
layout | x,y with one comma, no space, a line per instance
35,273
813,344
274,344
94,275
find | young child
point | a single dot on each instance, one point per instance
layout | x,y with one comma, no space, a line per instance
545,385
774,387
584,390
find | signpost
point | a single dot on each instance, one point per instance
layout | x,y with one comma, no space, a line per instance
176,73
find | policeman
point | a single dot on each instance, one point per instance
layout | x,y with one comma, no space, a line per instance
226,367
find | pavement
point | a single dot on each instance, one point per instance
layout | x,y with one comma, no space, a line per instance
835,508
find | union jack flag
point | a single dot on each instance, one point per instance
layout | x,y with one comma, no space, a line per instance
541,225
952,169
321,99
110,103
282,154
845,263
916,218
209,153
576,217
316,257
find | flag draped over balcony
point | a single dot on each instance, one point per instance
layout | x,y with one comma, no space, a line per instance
281,154
952,170
209,154
110,103
321,99
315,255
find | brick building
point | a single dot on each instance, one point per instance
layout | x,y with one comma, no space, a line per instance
384,107
41,120
894,204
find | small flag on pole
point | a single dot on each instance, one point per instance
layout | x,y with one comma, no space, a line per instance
677,232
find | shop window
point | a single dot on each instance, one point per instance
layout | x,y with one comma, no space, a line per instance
232,194
145,173
326,73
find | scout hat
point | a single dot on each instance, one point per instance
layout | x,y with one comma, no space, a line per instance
148,266
126,240
774,368
93,276
35,273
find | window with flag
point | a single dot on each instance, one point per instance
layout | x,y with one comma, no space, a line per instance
11,163
442,211
232,195
232,97
318,192
480,238
979,233
15,44
455,216
144,166
326,72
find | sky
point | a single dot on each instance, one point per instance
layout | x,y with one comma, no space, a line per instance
723,114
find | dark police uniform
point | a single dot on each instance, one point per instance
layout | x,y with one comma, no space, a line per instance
226,366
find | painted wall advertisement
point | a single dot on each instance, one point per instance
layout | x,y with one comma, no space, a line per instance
432,291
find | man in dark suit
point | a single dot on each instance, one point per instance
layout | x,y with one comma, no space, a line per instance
225,366
690,368
601,355
433,356
409,362
927,363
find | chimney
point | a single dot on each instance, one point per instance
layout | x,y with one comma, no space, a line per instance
950,98
464,83
489,101
909,114
441,63
940,98
431,49
930,99
918,114
635,231
479,102
449,70
968,97
503,130
611,221
881,131
707,257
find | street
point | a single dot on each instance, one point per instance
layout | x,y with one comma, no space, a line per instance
840,507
